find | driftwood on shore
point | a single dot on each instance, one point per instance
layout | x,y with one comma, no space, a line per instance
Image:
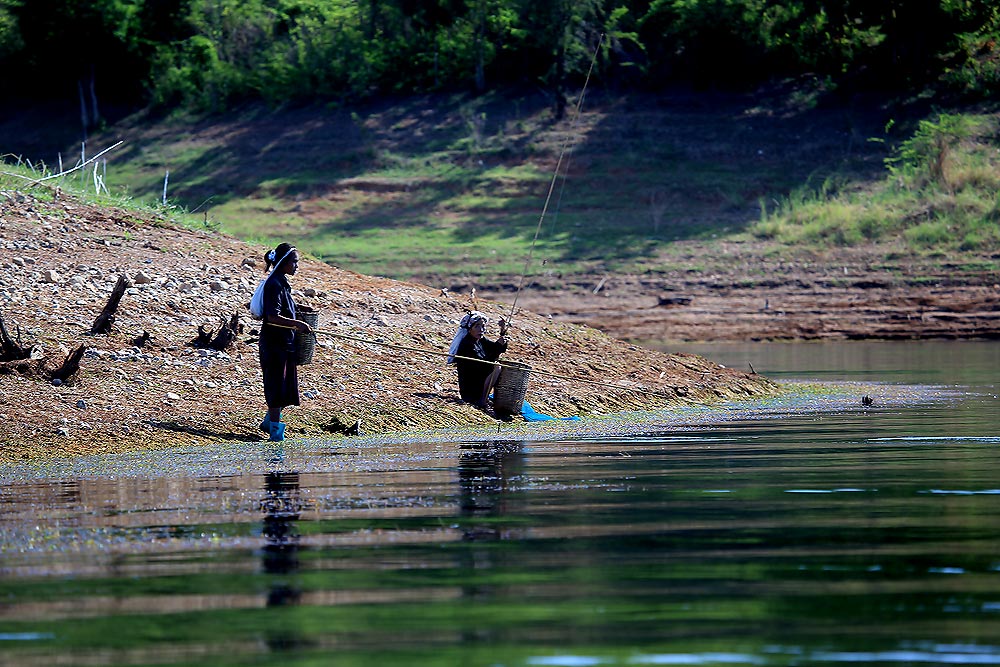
67,371
17,358
31,362
142,339
104,321
220,339
9,349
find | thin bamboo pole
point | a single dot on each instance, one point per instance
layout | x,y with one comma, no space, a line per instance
560,376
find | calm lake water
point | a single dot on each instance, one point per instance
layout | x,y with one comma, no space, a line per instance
807,530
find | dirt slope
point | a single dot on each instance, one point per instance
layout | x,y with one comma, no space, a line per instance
61,259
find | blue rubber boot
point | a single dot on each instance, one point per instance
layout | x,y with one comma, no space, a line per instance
277,431
265,425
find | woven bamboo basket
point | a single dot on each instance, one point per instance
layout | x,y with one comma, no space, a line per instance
305,344
511,388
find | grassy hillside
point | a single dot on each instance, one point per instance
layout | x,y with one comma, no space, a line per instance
448,188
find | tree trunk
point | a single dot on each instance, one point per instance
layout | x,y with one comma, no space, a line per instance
480,47
557,85
94,113
84,119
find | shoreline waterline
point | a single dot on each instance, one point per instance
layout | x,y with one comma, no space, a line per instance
797,398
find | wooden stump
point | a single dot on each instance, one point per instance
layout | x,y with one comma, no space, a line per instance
31,362
141,340
220,339
104,321
70,366
28,368
10,350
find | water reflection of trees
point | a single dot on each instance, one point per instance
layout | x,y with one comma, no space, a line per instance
486,474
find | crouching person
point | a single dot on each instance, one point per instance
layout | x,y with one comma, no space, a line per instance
476,379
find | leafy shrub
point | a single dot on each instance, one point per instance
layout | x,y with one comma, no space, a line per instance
975,70
924,157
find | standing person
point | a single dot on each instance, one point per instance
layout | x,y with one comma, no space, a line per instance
476,378
277,343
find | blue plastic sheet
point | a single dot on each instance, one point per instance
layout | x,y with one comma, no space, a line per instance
530,415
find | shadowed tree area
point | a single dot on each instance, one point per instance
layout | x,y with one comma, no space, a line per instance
213,55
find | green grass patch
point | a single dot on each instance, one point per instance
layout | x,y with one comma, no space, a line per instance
41,184
459,168
939,194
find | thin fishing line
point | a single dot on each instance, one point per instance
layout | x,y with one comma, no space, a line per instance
552,184
573,378
569,158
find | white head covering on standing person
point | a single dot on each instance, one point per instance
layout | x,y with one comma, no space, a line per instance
467,323
275,264
257,300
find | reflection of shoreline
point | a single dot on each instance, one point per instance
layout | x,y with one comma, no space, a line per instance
484,474
281,506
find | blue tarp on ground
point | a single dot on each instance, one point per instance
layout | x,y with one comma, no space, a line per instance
530,415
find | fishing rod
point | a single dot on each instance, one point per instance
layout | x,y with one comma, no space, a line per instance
408,348
555,176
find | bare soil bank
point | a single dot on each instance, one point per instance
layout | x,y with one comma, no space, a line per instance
62,259
729,291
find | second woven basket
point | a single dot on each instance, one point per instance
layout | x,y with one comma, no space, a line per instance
511,388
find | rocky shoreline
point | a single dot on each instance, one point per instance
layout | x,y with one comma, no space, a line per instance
151,382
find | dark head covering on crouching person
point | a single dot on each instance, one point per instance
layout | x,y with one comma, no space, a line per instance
277,339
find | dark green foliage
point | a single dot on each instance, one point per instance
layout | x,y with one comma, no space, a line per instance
974,67
211,54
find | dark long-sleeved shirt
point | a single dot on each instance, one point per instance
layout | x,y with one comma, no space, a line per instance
472,374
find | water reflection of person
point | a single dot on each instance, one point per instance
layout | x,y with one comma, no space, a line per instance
485,472
281,506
